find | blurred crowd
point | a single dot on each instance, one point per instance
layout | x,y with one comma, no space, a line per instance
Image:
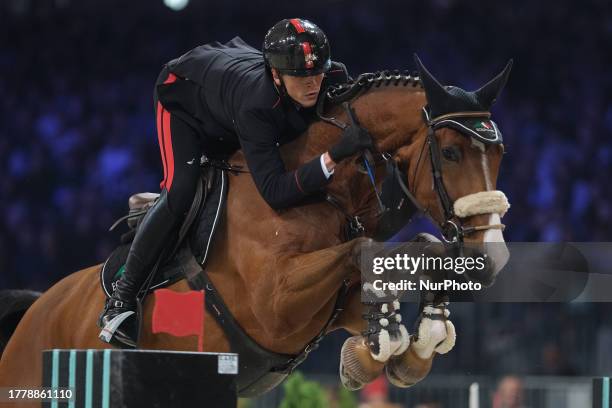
77,130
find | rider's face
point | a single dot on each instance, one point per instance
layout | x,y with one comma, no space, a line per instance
303,90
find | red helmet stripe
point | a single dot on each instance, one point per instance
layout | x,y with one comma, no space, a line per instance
307,54
297,24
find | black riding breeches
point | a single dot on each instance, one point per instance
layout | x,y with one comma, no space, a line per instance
181,149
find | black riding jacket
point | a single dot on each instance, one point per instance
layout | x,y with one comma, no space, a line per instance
226,93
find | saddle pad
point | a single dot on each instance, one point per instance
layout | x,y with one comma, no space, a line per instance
115,265
210,216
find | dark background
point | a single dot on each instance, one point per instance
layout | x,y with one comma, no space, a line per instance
77,134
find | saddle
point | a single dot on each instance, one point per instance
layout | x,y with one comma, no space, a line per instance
194,237
260,370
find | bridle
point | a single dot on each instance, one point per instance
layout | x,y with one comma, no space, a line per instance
451,228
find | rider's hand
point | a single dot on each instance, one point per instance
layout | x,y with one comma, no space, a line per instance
354,139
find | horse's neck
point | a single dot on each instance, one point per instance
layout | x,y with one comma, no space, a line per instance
391,115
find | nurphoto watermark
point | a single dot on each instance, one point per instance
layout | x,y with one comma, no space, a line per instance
487,272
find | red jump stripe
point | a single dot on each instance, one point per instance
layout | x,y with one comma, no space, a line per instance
297,25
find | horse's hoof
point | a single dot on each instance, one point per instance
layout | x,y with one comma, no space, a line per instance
349,383
357,367
407,369
393,377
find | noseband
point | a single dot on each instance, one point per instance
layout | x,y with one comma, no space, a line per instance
452,228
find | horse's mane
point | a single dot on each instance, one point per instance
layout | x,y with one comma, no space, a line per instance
335,95
339,93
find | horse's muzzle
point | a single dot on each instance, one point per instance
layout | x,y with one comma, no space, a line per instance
495,256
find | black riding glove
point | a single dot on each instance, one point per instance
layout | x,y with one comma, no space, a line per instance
354,139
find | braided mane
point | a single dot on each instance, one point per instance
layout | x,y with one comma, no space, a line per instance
336,94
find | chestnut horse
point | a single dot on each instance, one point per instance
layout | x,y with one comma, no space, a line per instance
280,272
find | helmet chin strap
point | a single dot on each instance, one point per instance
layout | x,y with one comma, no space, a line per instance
285,94
282,89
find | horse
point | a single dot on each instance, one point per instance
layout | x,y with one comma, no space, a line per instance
280,272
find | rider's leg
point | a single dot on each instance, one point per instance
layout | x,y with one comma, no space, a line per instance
181,150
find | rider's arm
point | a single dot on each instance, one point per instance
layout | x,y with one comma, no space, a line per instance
258,138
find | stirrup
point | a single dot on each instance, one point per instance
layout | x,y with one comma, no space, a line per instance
109,331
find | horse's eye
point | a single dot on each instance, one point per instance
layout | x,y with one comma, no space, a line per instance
451,153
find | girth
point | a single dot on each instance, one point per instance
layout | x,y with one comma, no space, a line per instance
260,369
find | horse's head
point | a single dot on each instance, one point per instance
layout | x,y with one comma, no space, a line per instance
464,150
446,150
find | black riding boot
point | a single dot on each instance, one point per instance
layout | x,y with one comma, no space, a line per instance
119,320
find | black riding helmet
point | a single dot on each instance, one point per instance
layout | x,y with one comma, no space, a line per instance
297,47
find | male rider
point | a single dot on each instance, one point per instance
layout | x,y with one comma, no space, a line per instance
216,99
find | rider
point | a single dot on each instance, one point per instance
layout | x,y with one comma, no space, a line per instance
216,99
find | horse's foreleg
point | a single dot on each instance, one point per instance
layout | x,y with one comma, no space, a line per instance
363,356
435,334
378,335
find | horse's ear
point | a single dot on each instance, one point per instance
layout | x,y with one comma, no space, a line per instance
435,92
489,92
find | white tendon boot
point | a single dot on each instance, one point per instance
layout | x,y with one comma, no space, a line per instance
404,338
386,335
435,332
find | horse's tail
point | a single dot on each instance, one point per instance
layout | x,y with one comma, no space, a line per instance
13,305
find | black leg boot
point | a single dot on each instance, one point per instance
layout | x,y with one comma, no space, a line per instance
120,321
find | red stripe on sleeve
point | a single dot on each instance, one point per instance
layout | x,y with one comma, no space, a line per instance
297,25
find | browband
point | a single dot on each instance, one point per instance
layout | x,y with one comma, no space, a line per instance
453,115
